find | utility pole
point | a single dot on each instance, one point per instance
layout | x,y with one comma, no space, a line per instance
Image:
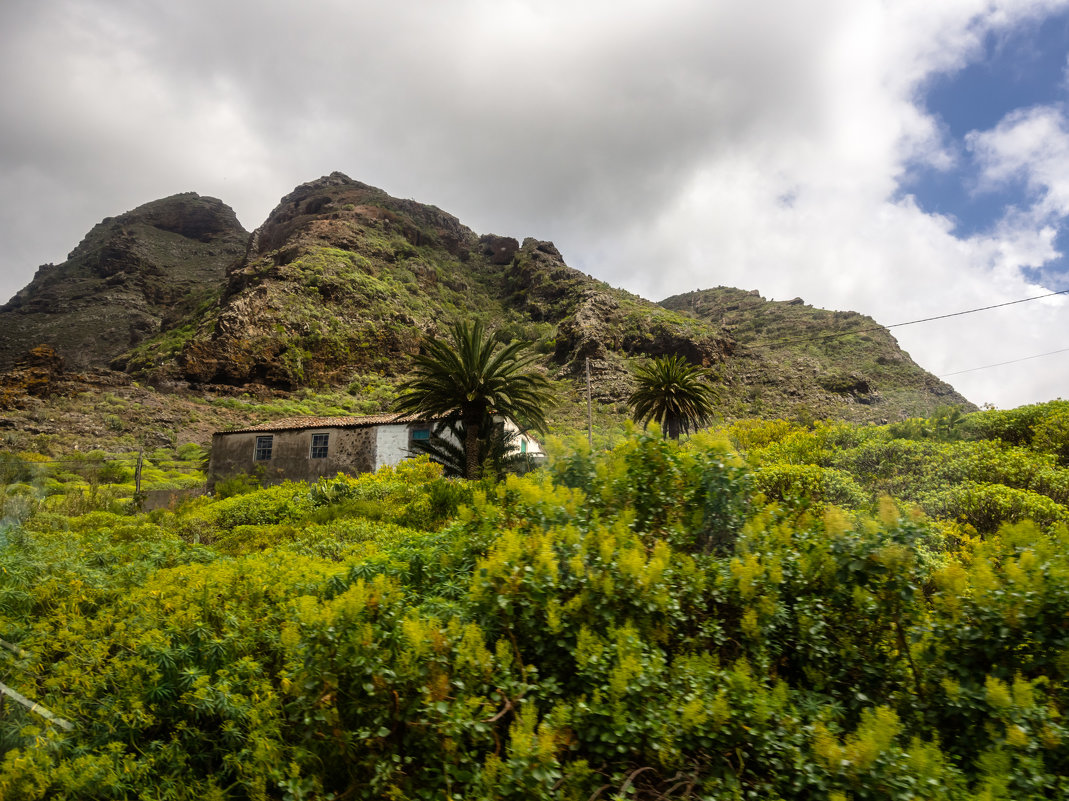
139,499
589,413
137,471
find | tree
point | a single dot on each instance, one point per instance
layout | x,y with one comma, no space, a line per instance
474,378
498,449
674,393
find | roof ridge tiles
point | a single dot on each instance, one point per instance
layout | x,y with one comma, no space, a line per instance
348,421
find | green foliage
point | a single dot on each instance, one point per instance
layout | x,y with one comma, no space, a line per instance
1051,435
236,485
475,378
674,394
809,483
946,425
986,507
660,620
979,482
499,449
14,470
1013,426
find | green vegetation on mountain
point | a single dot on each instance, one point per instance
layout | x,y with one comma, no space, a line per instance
771,610
342,282
343,278
822,358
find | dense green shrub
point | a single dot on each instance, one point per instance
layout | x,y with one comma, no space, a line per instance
986,507
657,621
1013,426
809,483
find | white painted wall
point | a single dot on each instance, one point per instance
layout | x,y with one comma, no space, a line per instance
391,444
534,447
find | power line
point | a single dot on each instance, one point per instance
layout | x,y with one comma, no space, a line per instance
910,322
982,308
1000,364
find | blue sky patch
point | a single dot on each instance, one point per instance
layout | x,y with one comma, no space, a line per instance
1020,69
1023,68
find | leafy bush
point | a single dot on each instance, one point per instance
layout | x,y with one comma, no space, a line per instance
235,485
1051,435
1013,426
986,507
803,482
14,470
633,624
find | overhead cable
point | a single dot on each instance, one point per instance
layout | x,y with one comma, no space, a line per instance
910,322
1001,364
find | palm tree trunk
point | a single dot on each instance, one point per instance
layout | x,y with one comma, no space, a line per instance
673,427
471,449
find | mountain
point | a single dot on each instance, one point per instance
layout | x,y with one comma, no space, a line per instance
343,280
132,277
815,353
339,285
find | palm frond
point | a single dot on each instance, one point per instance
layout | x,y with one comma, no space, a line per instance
673,393
474,377
499,449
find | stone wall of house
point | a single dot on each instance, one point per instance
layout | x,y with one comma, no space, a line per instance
349,450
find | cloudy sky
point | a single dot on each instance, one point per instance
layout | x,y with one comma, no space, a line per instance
902,158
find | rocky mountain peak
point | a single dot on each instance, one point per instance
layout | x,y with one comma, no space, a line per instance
343,281
189,215
333,209
132,276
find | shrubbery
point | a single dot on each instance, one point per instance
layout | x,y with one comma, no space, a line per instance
658,621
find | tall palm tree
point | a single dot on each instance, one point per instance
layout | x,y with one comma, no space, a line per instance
674,393
498,449
473,378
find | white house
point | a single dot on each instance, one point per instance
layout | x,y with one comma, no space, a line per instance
307,448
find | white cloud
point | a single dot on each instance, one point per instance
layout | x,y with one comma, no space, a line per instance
664,146
1030,145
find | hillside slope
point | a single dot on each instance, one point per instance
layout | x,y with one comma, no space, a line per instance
820,359
131,277
336,289
343,279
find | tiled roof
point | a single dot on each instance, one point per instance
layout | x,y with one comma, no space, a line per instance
297,423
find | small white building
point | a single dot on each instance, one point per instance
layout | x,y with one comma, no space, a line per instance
308,448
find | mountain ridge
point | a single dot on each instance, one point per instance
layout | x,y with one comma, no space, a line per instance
341,282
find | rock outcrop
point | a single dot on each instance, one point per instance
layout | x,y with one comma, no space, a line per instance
342,282
132,277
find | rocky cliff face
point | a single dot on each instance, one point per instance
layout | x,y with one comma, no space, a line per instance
342,282
832,363
132,277
343,279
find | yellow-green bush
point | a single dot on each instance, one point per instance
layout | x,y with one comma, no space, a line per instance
658,621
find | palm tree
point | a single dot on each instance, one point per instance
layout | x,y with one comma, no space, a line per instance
498,448
674,393
474,378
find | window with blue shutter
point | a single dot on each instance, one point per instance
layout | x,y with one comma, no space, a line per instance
263,448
